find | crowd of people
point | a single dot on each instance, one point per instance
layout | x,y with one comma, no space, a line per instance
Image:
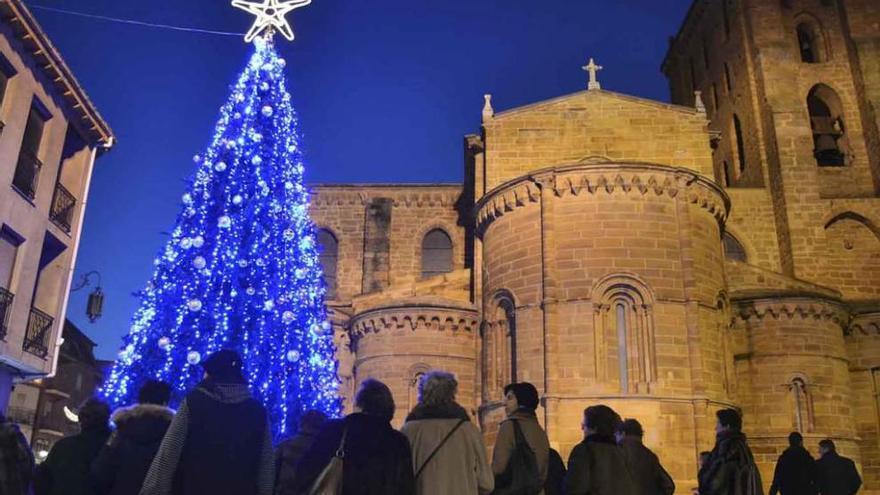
218,441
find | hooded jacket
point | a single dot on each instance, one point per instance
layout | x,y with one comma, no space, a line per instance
731,468
123,463
597,466
218,442
288,455
461,466
16,460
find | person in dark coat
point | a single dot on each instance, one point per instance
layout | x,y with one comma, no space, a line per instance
835,474
219,441
555,474
122,465
795,470
645,467
290,451
66,470
597,465
731,468
16,460
377,457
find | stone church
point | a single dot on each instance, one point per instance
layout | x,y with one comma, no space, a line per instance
665,259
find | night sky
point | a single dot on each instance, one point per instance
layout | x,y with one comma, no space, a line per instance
385,90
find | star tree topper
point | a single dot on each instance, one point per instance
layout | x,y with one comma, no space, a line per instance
270,14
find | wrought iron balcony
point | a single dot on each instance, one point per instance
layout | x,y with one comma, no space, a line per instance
62,208
6,299
36,340
27,171
21,415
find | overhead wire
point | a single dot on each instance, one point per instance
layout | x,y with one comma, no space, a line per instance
131,21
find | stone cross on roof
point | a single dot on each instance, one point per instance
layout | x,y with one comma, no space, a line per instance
592,68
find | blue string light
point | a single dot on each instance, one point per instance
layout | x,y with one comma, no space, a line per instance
241,269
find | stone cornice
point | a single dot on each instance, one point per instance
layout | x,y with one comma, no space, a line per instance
434,317
865,324
604,178
414,195
790,308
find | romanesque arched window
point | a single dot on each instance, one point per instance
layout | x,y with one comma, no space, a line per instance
328,257
830,141
436,253
499,346
802,404
739,149
624,334
733,249
811,44
728,179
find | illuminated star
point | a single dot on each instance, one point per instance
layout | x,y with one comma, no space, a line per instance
270,14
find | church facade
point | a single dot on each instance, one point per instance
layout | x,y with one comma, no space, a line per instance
668,260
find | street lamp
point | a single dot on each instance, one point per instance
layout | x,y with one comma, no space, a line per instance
95,306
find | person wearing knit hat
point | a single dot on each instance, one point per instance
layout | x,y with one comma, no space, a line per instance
219,441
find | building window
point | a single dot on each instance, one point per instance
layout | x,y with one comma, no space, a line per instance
810,43
728,79
830,141
740,146
9,243
417,373
715,101
499,347
706,62
622,354
436,253
803,405
7,71
27,170
624,344
328,257
727,175
733,249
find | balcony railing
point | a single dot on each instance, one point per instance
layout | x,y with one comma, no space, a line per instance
6,299
27,171
62,208
21,415
36,340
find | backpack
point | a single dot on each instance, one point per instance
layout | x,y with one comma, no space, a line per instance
521,476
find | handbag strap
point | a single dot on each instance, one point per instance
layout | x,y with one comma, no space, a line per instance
340,451
438,447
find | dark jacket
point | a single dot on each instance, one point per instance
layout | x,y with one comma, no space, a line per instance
66,470
218,442
837,475
16,460
122,465
795,473
555,474
597,466
461,465
287,456
731,468
377,457
647,472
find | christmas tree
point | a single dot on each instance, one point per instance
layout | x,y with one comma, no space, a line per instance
241,269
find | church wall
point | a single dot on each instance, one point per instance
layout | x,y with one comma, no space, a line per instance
792,341
594,124
397,343
863,347
567,251
752,223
